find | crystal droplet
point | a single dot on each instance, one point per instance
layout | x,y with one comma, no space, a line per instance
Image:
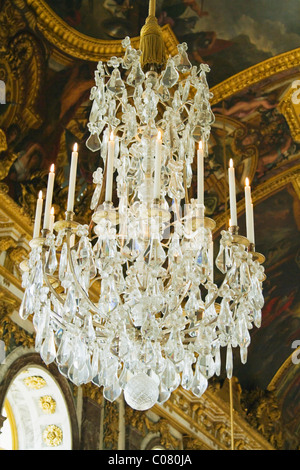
48,351
175,253
94,112
163,394
170,378
113,391
223,259
70,306
245,280
64,350
170,75
93,142
38,277
115,83
242,333
29,299
243,354
155,254
183,64
63,261
51,264
200,383
229,361
257,318
136,76
187,376
23,312
89,327
96,197
207,366
218,361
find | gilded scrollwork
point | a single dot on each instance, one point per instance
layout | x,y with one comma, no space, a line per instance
263,413
111,425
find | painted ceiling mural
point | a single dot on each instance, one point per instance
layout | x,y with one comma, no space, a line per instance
253,74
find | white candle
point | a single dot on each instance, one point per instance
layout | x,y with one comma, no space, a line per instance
49,196
211,259
72,178
110,168
38,216
52,218
232,194
252,236
200,174
248,210
157,171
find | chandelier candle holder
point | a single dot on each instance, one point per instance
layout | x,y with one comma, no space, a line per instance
128,301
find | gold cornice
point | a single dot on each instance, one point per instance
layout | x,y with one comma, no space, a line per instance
256,73
81,46
13,211
171,409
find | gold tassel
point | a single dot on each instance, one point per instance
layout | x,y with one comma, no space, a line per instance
151,43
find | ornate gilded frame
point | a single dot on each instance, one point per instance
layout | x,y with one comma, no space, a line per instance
81,46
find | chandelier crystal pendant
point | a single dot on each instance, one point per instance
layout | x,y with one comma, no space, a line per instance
129,301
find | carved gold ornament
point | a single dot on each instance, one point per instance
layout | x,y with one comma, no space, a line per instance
35,382
52,435
47,404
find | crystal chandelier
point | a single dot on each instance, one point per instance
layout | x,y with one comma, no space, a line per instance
129,301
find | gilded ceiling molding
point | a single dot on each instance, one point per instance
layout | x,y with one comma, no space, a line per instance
263,191
13,211
81,46
283,370
256,73
290,109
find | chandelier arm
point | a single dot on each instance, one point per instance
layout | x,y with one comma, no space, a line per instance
56,317
53,291
46,279
79,287
179,302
